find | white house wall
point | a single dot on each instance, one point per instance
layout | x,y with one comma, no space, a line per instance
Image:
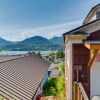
68,66
93,28
93,18
95,79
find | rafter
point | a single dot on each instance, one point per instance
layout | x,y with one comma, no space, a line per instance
91,46
92,58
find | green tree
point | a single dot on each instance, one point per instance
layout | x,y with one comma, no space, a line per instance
52,55
62,68
1,49
50,87
60,54
50,83
56,86
1,98
39,54
61,87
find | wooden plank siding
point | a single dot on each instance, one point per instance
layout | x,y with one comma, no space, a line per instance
94,36
81,56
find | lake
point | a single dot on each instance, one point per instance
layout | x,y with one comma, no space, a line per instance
22,52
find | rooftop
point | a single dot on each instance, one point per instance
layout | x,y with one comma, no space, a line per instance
20,77
91,11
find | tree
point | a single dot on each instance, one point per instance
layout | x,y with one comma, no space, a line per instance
60,54
1,49
61,87
56,86
50,87
62,66
39,54
52,55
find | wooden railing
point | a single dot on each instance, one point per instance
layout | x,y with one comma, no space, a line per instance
79,92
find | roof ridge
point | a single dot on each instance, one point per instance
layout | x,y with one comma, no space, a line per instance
14,58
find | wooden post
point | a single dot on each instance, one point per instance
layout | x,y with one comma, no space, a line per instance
77,75
93,57
78,96
75,91
81,97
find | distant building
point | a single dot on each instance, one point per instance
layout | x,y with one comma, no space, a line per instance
52,66
47,58
22,78
82,58
55,72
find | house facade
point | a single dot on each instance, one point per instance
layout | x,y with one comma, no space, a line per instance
82,58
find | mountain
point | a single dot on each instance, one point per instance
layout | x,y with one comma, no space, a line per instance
4,42
57,40
35,40
34,43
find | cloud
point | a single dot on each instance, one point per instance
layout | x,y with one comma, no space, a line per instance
47,32
28,34
1,30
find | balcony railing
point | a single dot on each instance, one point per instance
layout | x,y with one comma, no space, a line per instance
79,92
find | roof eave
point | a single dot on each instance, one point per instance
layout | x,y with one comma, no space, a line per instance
80,27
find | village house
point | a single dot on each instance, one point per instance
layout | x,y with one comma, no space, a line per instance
82,58
22,77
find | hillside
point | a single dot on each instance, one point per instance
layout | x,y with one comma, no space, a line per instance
35,40
34,43
4,42
57,40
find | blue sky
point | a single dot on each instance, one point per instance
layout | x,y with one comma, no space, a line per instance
20,19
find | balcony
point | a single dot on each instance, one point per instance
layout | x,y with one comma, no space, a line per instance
79,92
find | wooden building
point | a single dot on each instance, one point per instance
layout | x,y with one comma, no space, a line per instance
82,58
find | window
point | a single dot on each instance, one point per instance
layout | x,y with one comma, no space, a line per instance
98,14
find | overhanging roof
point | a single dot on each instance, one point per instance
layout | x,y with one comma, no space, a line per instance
81,27
92,44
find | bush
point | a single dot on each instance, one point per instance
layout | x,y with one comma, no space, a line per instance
62,68
56,86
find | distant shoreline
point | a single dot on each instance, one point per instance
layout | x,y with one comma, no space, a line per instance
23,52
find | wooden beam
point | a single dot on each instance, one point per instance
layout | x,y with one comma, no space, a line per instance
86,45
91,46
95,46
92,58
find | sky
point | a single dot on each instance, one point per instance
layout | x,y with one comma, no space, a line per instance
21,19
